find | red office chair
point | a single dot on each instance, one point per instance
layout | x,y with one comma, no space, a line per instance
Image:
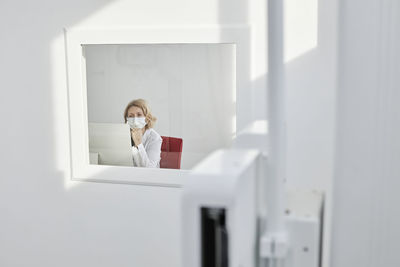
171,152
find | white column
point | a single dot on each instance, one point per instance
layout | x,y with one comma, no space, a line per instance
276,172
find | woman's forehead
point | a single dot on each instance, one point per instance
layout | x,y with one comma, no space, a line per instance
135,109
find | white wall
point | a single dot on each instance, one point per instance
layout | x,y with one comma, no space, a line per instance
48,220
310,53
366,210
189,88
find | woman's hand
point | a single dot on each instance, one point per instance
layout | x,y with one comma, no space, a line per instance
136,135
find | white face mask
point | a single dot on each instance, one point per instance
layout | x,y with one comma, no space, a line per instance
136,123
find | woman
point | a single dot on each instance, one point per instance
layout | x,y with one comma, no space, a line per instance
146,142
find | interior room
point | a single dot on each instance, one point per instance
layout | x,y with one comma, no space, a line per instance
268,135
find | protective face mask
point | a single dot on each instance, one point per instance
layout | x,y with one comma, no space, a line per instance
136,123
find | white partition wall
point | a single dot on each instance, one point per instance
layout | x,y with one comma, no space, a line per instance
48,220
366,215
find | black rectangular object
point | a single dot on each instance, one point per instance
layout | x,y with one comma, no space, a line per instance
214,237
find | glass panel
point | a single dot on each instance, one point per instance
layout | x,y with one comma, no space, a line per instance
188,109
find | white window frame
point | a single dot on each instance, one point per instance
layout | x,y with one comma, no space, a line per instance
77,91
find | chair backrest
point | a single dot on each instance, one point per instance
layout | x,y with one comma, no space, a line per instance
171,152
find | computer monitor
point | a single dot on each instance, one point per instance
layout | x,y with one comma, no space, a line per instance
110,144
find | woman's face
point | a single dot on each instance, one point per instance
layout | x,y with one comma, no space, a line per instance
134,112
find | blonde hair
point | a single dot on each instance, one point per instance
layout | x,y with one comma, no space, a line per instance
141,103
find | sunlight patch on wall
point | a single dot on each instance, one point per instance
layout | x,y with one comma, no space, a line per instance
152,12
60,109
301,27
258,11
